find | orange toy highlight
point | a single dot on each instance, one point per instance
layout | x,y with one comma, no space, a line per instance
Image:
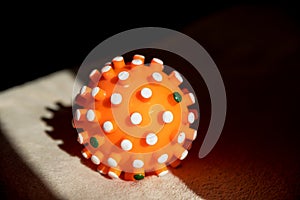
134,120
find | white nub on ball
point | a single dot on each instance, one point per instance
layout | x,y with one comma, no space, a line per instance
159,61
116,98
163,158
137,62
191,117
126,145
105,69
146,93
181,137
137,164
108,126
118,58
151,139
167,117
157,76
136,118
95,91
178,76
90,115
124,75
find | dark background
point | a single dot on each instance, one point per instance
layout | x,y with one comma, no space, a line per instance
256,48
41,39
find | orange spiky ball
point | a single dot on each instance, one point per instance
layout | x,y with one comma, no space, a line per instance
134,120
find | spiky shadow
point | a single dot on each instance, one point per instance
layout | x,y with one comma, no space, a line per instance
62,130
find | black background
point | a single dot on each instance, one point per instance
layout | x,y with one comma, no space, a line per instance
41,39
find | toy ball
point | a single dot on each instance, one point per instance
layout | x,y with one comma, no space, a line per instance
133,119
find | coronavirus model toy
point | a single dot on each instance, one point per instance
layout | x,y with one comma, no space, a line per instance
133,119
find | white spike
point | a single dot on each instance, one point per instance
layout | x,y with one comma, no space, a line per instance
167,117
151,139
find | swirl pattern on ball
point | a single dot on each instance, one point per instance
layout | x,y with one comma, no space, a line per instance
133,119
